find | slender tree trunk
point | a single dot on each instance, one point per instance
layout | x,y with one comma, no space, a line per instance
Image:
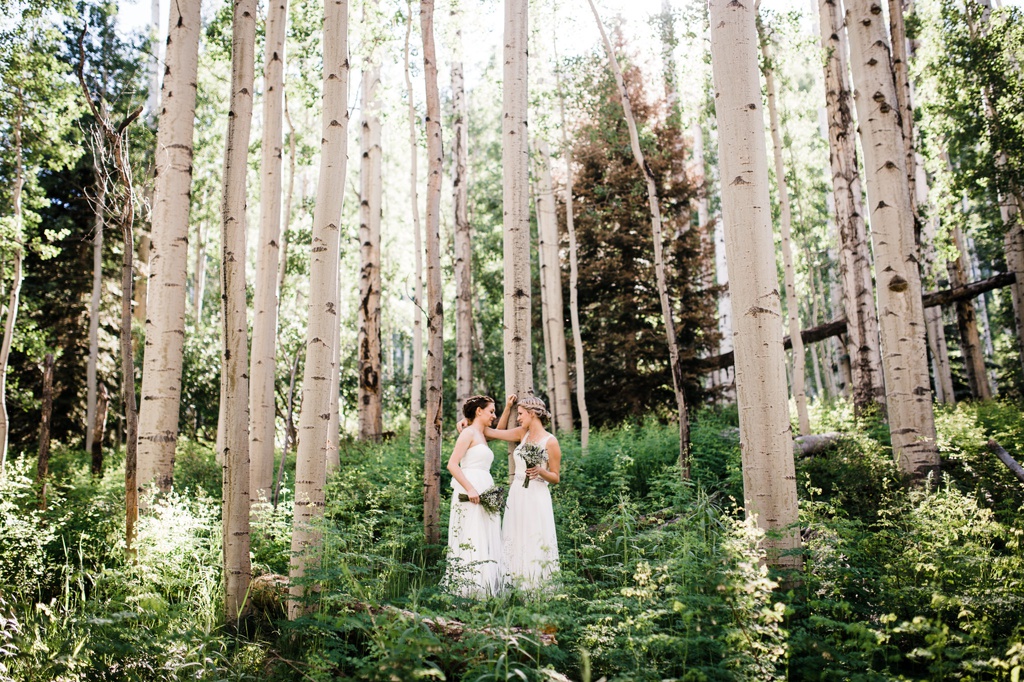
904,99
854,255
289,431
967,323
156,60
785,219
199,292
416,389
818,387
334,422
551,274
165,328
981,307
727,377
1013,248
435,307
934,329
543,212
463,230
282,266
46,413
321,355
98,429
140,311
235,353
99,206
574,307
263,368
369,407
15,293
901,316
769,479
659,261
515,161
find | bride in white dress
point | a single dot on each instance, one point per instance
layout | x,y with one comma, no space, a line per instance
475,566
530,544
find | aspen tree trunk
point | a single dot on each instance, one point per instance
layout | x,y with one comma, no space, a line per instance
369,409
98,429
727,376
904,99
140,311
515,163
703,225
463,230
984,325
99,206
199,291
1013,248
935,331
334,422
543,215
574,308
15,293
46,413
769,478
435,307
901,316
854,255
263,368
967,323
321,355
235,355
416,389
819,388
659,262
289,431
551,275
785,219
155,61
165,327
282,266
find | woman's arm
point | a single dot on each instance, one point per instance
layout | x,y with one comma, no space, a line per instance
507,412
461,446
552,473
512,435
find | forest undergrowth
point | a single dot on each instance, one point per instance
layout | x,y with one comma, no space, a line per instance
660,579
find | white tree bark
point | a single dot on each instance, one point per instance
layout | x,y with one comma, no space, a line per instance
515,161
785,220
263,371
659,261
99,206
199,290
235,354
156,60
435,305
463,230
369,408
140,309
967,323
165,327
901,314
321,354
769,478
854,255
416,387
574,308
551,276
15,293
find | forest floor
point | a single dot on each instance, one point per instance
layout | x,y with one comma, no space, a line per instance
660,579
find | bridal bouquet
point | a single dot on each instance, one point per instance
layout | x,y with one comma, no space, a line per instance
533,455
492,499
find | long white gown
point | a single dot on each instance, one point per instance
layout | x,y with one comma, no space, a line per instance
474,535
528,530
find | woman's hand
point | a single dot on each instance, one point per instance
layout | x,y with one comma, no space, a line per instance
534,473
473,495
462,423
510,401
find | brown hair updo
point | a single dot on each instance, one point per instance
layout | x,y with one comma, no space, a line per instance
474,403
536,406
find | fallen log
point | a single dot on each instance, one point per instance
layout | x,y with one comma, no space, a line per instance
1007,459
815,443
837,327
268,592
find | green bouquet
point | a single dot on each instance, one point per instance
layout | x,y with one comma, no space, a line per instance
492,499
533,455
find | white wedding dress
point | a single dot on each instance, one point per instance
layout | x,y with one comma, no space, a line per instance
528,530
474,535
